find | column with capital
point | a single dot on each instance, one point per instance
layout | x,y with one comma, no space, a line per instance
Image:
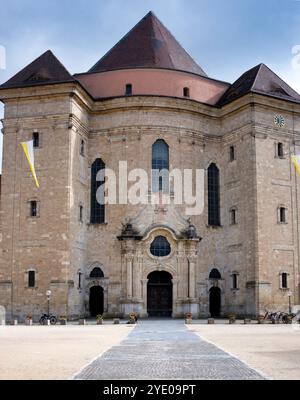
192,276
129,264
137,283
182,284
144,297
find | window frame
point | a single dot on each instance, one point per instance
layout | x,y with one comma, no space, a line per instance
36,137
128,89
160,247
213,195
232,155
186,92
97,211
284,278
160,166
31,278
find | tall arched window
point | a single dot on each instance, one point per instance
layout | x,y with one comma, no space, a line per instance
97,209
160,166
213,195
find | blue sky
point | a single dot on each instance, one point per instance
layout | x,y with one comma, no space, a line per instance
226,37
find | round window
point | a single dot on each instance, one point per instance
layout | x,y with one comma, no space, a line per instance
160,247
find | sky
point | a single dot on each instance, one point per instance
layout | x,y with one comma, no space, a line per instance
225,37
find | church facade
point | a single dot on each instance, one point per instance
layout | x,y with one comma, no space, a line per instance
148,103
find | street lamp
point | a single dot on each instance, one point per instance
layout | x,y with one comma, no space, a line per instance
48,294
290,303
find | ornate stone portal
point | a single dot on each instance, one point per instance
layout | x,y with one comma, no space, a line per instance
138,262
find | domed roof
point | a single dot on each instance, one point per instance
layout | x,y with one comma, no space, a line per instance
148,45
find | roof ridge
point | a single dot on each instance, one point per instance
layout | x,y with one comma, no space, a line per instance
148,44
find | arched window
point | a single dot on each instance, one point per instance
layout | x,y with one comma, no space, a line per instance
186,92
160,166
213,195
97,273
214,274
97,209
160,247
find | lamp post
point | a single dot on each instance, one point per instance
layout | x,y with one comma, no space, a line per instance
290,303
48,294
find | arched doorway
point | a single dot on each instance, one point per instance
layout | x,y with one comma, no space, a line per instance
159,294
96,301
215,301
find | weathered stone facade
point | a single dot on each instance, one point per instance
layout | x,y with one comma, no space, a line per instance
63,250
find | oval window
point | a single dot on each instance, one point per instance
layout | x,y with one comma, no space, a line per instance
160,247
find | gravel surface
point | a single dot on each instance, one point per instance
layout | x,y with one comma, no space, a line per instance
272,349
54,352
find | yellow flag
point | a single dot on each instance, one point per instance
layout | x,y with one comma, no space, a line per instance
28,150
296,161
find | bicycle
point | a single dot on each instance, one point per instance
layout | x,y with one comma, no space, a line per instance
45,317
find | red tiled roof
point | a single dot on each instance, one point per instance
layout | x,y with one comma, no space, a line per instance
262,80
148,45
45,69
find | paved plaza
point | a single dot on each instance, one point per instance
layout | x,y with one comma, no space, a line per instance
152,349
166,349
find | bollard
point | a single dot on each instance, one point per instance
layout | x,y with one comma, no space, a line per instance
116,321
210,321
15,322
3,322
82,321
247,321
48,322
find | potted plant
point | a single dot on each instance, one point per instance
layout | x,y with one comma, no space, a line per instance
232,318
99,319
261,319
188,318
132,318
63,320
28,319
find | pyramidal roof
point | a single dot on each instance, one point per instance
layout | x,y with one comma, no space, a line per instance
262,80
148,45
45,69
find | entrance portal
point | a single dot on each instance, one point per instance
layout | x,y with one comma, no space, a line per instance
159,294
96,301
215,301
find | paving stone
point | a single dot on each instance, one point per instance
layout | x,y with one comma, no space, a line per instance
166,349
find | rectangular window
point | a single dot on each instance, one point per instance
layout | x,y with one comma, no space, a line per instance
234,281
31,279
81,213
232,153
280,150
36,139
233,217
79,280
282,215
128,90
33,208
284,280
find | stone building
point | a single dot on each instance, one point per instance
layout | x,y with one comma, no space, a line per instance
148,103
